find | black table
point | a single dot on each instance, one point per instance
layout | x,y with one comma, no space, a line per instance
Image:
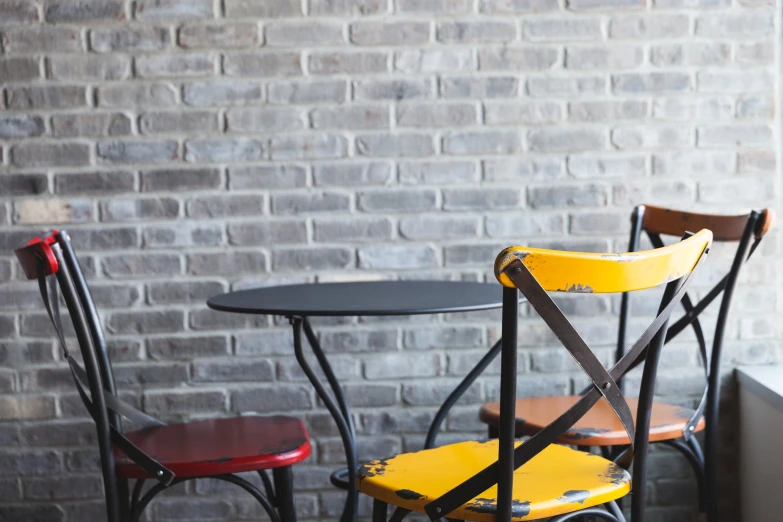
382,298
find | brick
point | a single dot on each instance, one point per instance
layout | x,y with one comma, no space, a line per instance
734,136
18,12
610,5
138,151
266,119
266,64
438,227
271,9
390,33
403,365
34,512
127,95
595,223
145,322
487,142
651,83
351,175
264,343
84,12
339,62
353,229
211,320
392,89
180,179
347,7
595,111
98,67
43,211
531,113
754,23
397,257
584,195
561,29
174,65
289,204
585,167
104,238
517,59
352,117
700,54
435,393
517,6
434,338
160,10
756,161
184,401
94,182
183,236
733,82
524,226
216,36
20,69
393,200
714,108
216,508
762,107
319,91
569,87
476,32
394,145
175,122
745,53
129,38
226,206
233,371
438,173
438,60
746,190
694,163
21,126
313,258
479,87
436,7
605,57
46,97
280,397
561,140
223,263
27,407
267,233
314,146
266,177
50,154
41,39
652,27
311,33
221,93
644,136
90,125
480,199
223,150
168,292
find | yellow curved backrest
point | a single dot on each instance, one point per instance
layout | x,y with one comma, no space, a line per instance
581,272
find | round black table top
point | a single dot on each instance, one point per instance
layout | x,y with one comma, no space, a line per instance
362,298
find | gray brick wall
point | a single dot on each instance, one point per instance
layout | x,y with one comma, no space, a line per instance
197,146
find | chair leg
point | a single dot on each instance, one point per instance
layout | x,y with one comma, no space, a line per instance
284,493
492,432
379,510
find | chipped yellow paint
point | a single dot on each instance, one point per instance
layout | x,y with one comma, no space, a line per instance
581,272
558,480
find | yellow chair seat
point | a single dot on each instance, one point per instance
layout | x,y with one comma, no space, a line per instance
556,481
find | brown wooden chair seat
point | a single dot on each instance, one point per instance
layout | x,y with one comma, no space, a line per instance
599,427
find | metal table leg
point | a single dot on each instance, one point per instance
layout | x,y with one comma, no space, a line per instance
337,407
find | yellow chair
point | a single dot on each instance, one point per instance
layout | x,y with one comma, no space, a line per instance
503,480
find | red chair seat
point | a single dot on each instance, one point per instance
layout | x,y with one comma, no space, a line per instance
219,446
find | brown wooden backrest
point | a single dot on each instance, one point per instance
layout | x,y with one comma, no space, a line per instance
670,222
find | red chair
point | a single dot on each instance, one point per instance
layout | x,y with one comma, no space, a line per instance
169,454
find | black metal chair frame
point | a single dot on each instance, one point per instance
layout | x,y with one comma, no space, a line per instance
54,264
702,462
646,349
